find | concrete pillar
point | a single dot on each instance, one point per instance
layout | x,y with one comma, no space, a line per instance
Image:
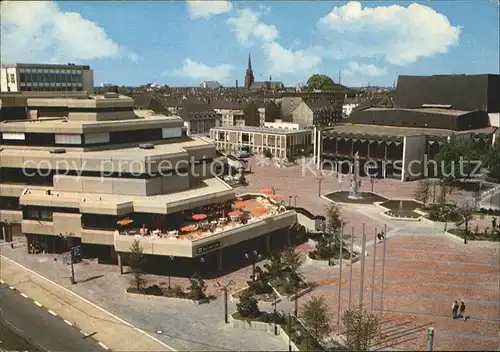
336,146
120,265
4,233
318,143
352,146
314,144
368,149
220,259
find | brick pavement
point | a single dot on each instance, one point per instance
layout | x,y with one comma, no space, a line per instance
422,291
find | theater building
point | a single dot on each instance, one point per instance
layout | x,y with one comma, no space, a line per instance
92,171
401,140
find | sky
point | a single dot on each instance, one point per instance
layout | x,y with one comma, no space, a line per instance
182,43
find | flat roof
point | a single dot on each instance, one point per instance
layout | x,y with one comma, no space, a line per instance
423,110
55,66
204,192
261,129
172,147
392,131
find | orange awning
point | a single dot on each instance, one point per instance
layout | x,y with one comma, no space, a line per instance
188,228
275,197
235,213
238,206
124,222
199,217
266,191
260,209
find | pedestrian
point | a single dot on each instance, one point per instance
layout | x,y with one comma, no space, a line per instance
462,311
379,236
454,309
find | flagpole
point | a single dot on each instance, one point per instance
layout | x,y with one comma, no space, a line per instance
340,277
362,277
373,270
383,272
350,275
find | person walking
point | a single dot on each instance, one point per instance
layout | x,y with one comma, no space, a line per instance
462,311
454,309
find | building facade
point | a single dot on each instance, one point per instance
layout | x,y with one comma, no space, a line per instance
282,143
316,113
101,175
198,118
46,78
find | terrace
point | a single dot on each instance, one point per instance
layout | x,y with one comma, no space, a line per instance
242,218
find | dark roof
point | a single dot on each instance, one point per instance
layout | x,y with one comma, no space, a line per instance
267,85
141,101
317,105
228,104
192,111
425,118
462,92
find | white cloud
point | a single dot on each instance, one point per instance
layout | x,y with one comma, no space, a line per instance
400,35
38,31
196,70
366,70
264,9
207,8
287,61
248,28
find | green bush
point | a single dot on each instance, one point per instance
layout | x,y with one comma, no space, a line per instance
248,306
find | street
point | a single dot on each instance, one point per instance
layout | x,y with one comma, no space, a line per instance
35,326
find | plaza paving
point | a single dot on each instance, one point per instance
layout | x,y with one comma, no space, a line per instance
425,272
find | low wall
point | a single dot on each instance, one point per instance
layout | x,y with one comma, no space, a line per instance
484,244
234,299
161,298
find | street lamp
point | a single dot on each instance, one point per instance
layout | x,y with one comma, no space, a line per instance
289,332
171,258
255,256
295,201
290,201
225,289
319,178
66,238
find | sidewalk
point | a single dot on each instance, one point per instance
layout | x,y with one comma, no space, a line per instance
110,330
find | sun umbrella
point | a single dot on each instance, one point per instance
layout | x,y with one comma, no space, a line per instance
188,228
275,197
199,217
124,222
260,209
235,213
238,206
266,191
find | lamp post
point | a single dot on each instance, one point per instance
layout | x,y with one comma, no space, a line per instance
255,255
66,238
295,201
319,178
290,201
289,332
225,289
275,313
171,258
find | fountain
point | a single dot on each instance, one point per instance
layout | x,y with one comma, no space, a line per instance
354,195
355,183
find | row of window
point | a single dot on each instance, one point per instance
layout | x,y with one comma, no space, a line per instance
47,139
45,213
51,89
53,77
49,70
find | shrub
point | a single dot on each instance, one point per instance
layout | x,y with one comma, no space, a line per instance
154,290
248,306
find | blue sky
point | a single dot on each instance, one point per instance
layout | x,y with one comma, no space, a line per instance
182,43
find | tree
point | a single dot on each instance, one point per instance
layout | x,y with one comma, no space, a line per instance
291,259
492,161
197,287
136,261
422,192
320,82
361,328
248,307
467,213
333,225
267,154
316,318
274,266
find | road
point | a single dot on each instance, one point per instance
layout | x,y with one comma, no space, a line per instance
36,326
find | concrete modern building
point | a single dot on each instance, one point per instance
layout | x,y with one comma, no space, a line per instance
282,143
93,169
236,113
46,78
403,141
290,100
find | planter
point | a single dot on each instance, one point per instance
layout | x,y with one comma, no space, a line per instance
234,299
250,324
475,243
300,293
153,297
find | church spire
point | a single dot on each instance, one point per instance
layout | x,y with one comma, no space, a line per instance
249,77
